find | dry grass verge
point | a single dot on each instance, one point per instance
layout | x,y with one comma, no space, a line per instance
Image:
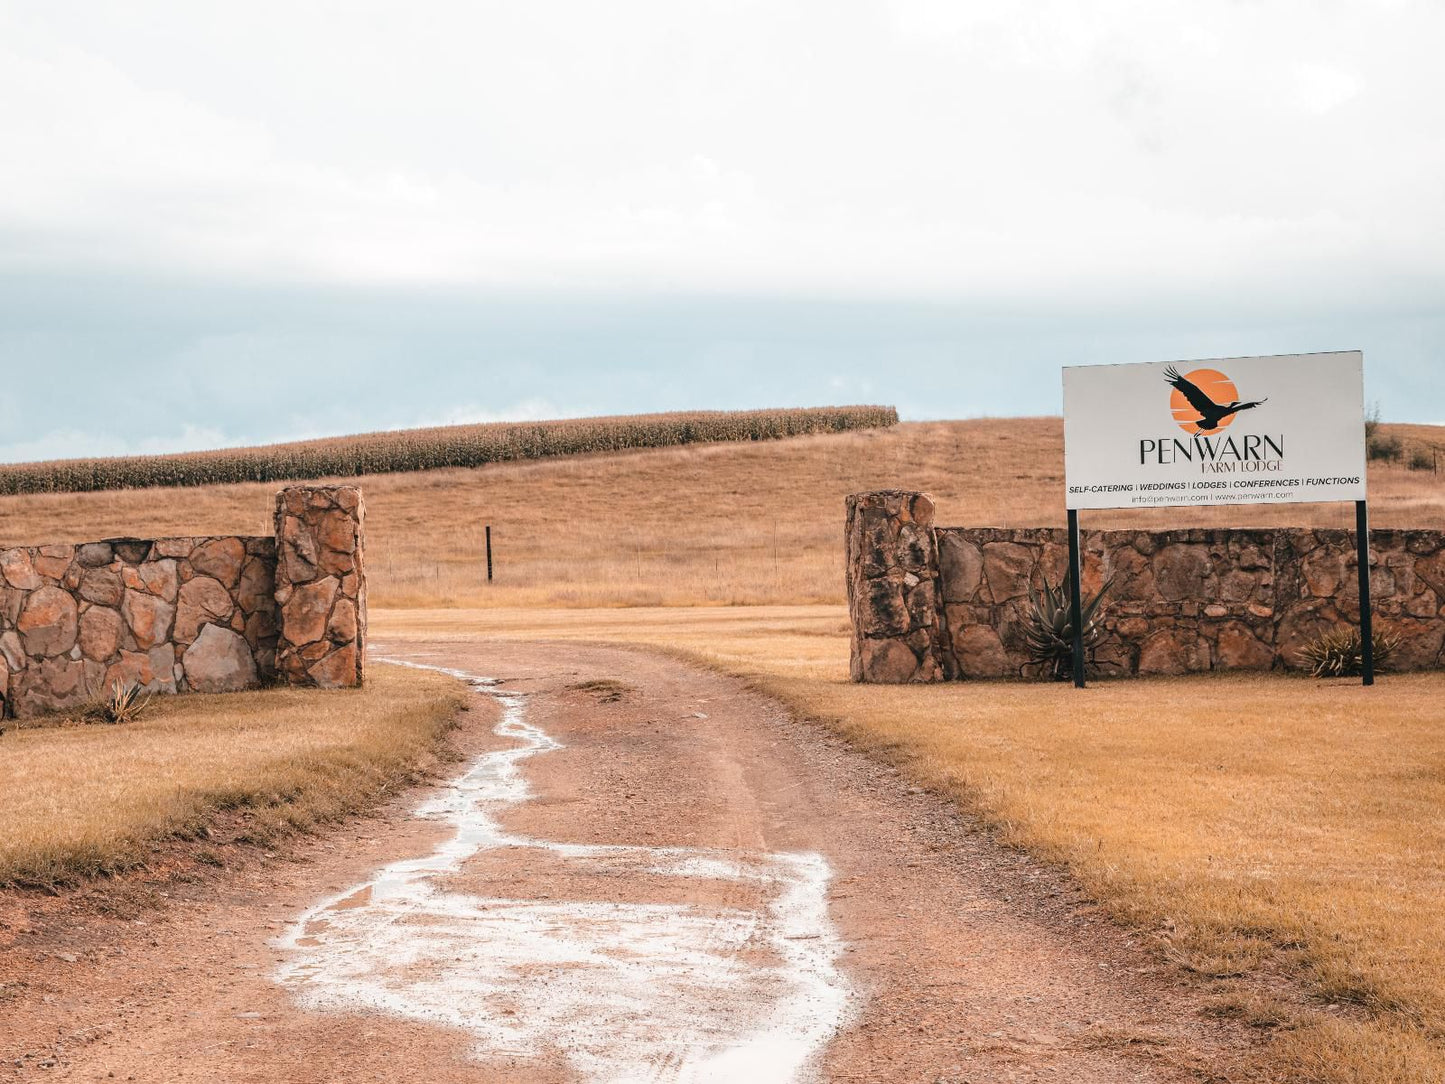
1281,838
77,801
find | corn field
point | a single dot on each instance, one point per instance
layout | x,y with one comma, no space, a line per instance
428,449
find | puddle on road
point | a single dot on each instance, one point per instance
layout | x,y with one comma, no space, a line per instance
746,989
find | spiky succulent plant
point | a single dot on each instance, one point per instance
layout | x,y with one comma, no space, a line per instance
1049,633
1341,653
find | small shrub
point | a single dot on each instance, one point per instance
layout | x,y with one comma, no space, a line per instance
123,704
1049,632
1422,459
1389,449
1372,423
1340,653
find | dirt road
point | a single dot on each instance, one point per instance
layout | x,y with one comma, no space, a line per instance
643,872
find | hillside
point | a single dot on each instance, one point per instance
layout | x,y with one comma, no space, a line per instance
703,524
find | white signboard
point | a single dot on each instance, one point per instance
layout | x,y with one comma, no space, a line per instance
1233,431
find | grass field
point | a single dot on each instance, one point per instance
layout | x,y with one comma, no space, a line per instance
1283,843
81,800
709,524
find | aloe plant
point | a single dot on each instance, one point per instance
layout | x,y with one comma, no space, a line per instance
1341,653
1049,634
122,704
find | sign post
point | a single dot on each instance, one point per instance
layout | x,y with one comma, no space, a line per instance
1259,430
1362,557
1076,602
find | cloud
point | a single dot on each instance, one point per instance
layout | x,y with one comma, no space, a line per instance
528,410
71,443
1320,89
966,150
279,220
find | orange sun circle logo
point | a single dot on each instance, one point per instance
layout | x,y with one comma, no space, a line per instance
1212,383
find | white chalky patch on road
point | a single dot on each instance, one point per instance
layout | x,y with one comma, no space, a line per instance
627,991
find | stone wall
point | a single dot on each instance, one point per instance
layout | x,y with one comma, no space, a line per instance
893,589
321,586
184,614
1179,601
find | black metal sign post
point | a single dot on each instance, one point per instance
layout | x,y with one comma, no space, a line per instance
489,553
1367,637
1076,605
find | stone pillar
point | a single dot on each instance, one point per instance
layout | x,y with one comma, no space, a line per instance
894,595
321,586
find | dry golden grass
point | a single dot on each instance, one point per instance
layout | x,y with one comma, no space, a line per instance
1258,825
82,800
702,525
782,641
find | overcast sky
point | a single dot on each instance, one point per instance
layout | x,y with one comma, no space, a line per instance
245,222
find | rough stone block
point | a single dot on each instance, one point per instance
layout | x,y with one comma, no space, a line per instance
52,562
157,578
48,622
1180,572
221,559
94,554
1239,649
1173,651
173,547
102,586
1007,569
101,630
18,571
149,618
888,662
12,651
202,601
130,550
960,567
220,661
305,614
981,653
51,685
338,670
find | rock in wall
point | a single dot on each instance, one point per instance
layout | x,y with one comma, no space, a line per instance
168,615
321,586
893,589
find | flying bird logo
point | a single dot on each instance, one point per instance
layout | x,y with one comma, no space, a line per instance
1205,401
